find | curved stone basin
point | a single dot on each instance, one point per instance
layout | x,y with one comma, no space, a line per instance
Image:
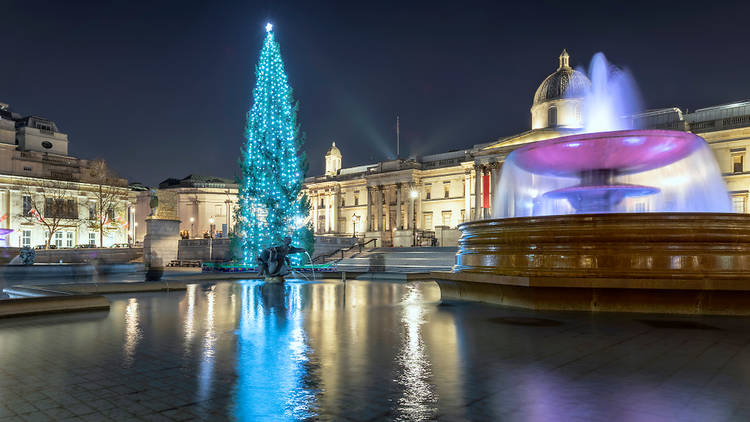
646,262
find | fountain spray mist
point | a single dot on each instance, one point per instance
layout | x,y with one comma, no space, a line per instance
610,168
612,98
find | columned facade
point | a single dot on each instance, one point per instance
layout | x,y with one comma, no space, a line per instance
446,189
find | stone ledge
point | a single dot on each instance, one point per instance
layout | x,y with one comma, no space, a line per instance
574,295
52,304
73,297
656,283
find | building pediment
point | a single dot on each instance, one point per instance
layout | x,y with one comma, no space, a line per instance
528,137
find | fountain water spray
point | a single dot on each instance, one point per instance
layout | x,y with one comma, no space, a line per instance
611,99
609,168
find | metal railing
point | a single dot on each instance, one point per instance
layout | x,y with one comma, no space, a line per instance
321,259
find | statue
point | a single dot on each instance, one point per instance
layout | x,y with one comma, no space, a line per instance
26,256
273,262
153,203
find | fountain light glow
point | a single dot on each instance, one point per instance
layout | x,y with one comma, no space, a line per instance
611,168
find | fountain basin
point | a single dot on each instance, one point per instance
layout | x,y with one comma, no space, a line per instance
688,263
612,172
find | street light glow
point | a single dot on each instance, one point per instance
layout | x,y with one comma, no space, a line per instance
413,194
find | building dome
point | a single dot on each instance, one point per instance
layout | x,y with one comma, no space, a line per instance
333,150
566,82
333,160
558,102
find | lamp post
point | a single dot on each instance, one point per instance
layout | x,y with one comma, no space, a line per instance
135,225
413,195
211,239
192,227
354,224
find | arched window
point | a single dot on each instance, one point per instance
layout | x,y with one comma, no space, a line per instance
552,116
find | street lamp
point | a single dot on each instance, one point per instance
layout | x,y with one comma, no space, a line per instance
192,227
354,224
211,239
413,195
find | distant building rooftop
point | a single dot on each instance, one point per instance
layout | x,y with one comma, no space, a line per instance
198,181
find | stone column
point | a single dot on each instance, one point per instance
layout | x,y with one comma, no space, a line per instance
315,212
493,187
398,206
368,217
467,195
418,208
335,210
327,203
477,192
410,213
378,209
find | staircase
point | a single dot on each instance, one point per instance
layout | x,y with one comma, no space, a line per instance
400,260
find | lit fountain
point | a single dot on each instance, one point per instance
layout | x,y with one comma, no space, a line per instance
617,220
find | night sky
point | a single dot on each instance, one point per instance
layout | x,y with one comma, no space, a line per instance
160,89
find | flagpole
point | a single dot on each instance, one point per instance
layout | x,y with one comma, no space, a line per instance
398,139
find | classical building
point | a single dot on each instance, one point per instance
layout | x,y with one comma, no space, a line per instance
40,182
205,205
404,201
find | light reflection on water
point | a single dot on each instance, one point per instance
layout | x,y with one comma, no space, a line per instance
132,331
374,350
272,354
418,399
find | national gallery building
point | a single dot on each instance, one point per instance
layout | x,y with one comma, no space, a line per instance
434,193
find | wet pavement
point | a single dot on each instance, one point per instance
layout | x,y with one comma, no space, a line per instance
366,351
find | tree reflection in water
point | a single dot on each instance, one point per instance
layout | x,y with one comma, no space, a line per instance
273,364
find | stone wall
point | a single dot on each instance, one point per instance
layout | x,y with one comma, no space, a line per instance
204,250
77,256
198,249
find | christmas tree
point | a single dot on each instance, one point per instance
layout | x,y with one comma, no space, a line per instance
272,166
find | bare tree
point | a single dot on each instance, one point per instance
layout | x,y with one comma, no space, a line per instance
51,203
109,196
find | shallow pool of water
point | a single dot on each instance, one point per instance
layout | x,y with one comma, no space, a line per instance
366,351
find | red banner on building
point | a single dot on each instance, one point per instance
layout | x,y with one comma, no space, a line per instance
486,191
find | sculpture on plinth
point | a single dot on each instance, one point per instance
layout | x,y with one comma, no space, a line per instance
273,262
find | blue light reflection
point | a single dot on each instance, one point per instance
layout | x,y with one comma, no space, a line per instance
273,378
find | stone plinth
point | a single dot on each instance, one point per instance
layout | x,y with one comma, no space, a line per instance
161,243
403,238
374,235
694,263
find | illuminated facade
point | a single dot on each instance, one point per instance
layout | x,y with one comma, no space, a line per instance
205,205
434,193
33,160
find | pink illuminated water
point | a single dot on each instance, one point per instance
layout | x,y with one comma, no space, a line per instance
607,169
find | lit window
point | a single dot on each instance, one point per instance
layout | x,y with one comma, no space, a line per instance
427,192
447,190
356,198
92,238
738,163
26,238
427,221
447,218
738,203
552,116
59,239
68,239
26,204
